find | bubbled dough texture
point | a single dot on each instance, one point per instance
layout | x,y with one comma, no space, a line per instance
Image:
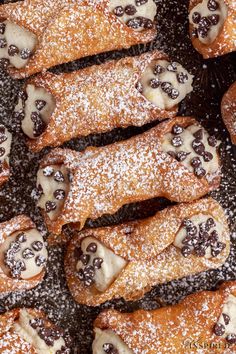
31,268
20,37
108,336
214,31
198,219
111,267
230,310
6,144
157,96
36,93
147,10
49,186
30,335
187,137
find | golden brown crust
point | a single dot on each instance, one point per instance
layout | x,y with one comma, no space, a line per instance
87,25
100,186
7,284
5,172
173,329
225,41
148,247
228,111
85,100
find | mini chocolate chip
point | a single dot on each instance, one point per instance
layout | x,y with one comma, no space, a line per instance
2,27
176,141
199,172
40,104
172,67
2,151
3,43
89,271
138,22
18,268
173,94
25,53
3,138
35,116
2,130
158,69
182,78
226,318
214,19
217,248
21,237
88,281
37,245
177,129
130,10
202,227
48,171
210,223
212,5
22,95
84,258
50,206
200,250
46,335
231,338
97,263
109,348
195,162
198,147
182,155
13,50
92,247
14,247
187,223
39,124
59,194
154,83
202,31
81,274
189,241
214,237
139,87
191,230
36,323
118,11
40,260
166,87
27,253
59,177
205,22
219,329
140,2
172,154
204,237
212,141
207,156
196,17
198,134
4,63
186,251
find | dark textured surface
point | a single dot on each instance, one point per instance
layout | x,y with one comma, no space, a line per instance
212,78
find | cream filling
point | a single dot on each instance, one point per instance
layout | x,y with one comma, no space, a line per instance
35,94
157,96
147,10
214,30
30,335
31,236
187,137
50,186
19,37
111,266
5,146
197,220
103,337
230,310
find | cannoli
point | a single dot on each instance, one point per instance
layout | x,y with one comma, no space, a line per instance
130,91
203,322
38,34
177,159
23,255
228,111
128,260
212,26
5,148
24,331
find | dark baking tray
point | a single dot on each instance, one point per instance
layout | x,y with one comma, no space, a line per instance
212,78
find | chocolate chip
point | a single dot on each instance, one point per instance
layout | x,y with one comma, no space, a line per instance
205,22
198,134
14,247
210,223
21,237
186,251
207,156
189,241
212,141
46,335
130,10
182,78
118,11
13,50
172,154
40,104
2,151
139,87
59,194
89,271
166,87
226,318
212,5
97,263
196,17
3,43
92,247
138,22
217,248
22,95
198,147
84,258
39,124
2,138
158,69
219,329
37,245
27,253
181,155
2,27
231,338
81,274
50,206
176,141
140,2
191,230
199,172
214,237
48,171
59,177
88,281
40,260
18,268
25,53
109,348
173,94
214,19
36,323
4,63
172,67
195,162
200,250
177,129
202,31
187,223
154,83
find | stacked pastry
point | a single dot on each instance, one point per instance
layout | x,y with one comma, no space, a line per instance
177,159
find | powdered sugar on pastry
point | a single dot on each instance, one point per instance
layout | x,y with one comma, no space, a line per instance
107,341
